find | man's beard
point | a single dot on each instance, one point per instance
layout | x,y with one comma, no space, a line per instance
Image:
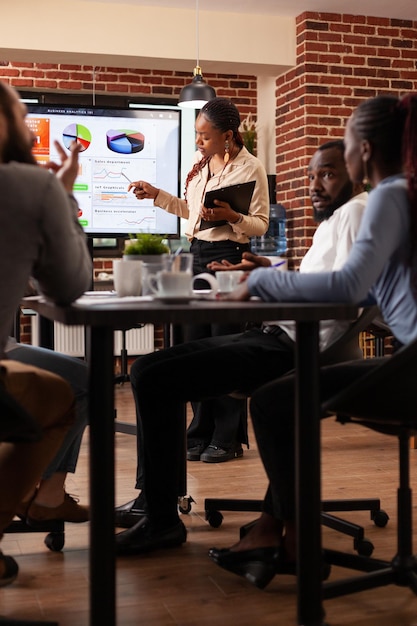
17,149
343,197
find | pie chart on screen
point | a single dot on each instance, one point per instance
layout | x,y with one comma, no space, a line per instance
125,141
78,133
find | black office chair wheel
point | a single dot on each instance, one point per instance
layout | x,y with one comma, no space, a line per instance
184,504
380,518
55,541
364,547
214,518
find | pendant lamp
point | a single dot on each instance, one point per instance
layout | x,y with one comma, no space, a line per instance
197,93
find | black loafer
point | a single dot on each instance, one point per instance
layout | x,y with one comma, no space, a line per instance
129,514
216,454
194,453
142,538
258,566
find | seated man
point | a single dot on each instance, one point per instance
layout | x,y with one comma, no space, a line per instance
40,236
221,365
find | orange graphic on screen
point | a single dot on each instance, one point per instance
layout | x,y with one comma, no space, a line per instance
40,129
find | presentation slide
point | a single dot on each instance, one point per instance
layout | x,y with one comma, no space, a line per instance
118,146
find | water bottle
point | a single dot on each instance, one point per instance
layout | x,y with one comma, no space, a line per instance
274,242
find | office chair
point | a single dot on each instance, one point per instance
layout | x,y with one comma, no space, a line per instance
17,425
343,349
392,413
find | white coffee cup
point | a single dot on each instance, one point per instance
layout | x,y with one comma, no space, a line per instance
166,284
171,284
127,278
228,280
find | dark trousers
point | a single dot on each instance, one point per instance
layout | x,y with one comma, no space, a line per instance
162,382
221,421
272,412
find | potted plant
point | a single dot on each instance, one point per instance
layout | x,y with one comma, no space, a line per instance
144,247
148,248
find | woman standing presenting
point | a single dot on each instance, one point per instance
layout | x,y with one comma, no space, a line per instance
219,426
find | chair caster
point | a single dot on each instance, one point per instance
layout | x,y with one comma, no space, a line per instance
55,541
184,504
214,518
380,518
364,547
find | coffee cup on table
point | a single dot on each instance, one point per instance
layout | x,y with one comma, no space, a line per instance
167,284
175,279
228,280
127,278
173,285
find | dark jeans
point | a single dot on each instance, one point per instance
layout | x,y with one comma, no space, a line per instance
272,412
162,382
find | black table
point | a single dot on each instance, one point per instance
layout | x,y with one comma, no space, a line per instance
100,321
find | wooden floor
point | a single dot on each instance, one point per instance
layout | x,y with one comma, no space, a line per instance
182,586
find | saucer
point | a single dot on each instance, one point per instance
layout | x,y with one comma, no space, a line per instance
174,299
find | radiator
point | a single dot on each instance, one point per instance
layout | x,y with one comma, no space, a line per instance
70,339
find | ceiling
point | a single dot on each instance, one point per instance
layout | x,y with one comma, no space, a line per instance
401,9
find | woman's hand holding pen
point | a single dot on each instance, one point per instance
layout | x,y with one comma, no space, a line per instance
143,190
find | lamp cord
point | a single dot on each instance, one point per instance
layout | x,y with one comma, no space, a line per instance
197,34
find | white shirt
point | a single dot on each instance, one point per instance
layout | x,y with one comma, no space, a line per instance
329,251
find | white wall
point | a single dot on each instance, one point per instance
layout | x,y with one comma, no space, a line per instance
122,35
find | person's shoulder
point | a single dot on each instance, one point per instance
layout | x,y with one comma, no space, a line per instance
29,170
353,206
250,162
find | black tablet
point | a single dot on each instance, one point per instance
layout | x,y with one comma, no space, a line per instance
238,196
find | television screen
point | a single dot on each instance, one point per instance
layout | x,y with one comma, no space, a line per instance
118,146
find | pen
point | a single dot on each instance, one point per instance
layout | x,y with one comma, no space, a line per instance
278,264
123,174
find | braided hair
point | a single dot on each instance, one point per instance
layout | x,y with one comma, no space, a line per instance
222,115
390,126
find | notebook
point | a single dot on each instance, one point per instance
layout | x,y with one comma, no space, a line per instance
238,196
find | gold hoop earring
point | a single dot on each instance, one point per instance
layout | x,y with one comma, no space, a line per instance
226,156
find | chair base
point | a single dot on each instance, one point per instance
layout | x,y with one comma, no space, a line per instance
378,573
363,546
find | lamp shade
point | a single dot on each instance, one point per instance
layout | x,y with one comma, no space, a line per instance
197,93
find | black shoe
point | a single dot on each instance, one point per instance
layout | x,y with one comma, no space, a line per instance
141,538
260,565
129,514
257,566
216,454
194,453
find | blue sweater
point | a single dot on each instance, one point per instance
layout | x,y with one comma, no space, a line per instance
377,269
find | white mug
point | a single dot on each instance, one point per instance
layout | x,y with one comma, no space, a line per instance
228,280
127,277
180,284
171,284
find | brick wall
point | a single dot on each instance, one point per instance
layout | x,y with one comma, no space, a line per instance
341,60
124,81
